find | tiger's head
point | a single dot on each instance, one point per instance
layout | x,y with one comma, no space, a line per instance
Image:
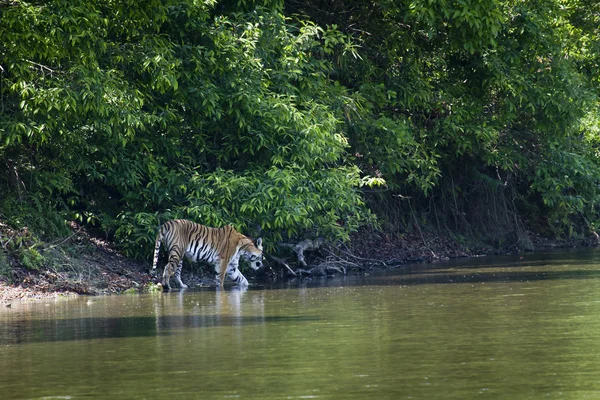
253,253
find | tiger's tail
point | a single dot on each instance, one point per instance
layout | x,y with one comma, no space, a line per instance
157,244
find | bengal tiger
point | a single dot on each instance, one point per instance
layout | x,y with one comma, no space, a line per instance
221,247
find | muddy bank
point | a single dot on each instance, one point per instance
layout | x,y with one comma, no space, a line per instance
426,246
84,265
94,274
81,265
370,250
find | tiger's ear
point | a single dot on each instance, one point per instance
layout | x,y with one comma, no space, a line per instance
259,243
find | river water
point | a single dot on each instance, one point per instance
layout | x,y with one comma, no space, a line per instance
489,328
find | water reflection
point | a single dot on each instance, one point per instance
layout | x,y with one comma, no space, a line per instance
503,328
169,313
444,276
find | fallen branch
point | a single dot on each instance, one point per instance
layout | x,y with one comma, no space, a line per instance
337,259
282,262
348,253
54,244
322,268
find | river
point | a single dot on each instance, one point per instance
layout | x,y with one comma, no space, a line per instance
513,327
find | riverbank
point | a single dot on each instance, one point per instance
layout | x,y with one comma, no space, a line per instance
86,265
78,265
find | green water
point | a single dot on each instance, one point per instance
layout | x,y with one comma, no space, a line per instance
484,328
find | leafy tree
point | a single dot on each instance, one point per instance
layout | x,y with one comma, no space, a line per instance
273,115
458,103
126,114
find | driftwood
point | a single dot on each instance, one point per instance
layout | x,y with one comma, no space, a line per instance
326,266
338,260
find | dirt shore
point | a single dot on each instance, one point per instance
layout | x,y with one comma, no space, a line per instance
82,265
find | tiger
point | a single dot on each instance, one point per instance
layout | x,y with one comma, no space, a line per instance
221,247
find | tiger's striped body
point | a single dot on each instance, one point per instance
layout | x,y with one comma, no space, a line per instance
221,247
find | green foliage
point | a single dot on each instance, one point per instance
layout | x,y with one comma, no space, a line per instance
151,287
504,89
124,115
20,245
30,258
44,215
5,269
283,204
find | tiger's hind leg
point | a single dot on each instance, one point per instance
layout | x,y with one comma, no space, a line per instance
169,271
221,270
171,268
178,276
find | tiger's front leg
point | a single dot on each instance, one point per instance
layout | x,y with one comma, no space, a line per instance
231,270
235,275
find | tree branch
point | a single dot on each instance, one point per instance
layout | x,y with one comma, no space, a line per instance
281,262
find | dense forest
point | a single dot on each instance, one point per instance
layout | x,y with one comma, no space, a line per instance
299,119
